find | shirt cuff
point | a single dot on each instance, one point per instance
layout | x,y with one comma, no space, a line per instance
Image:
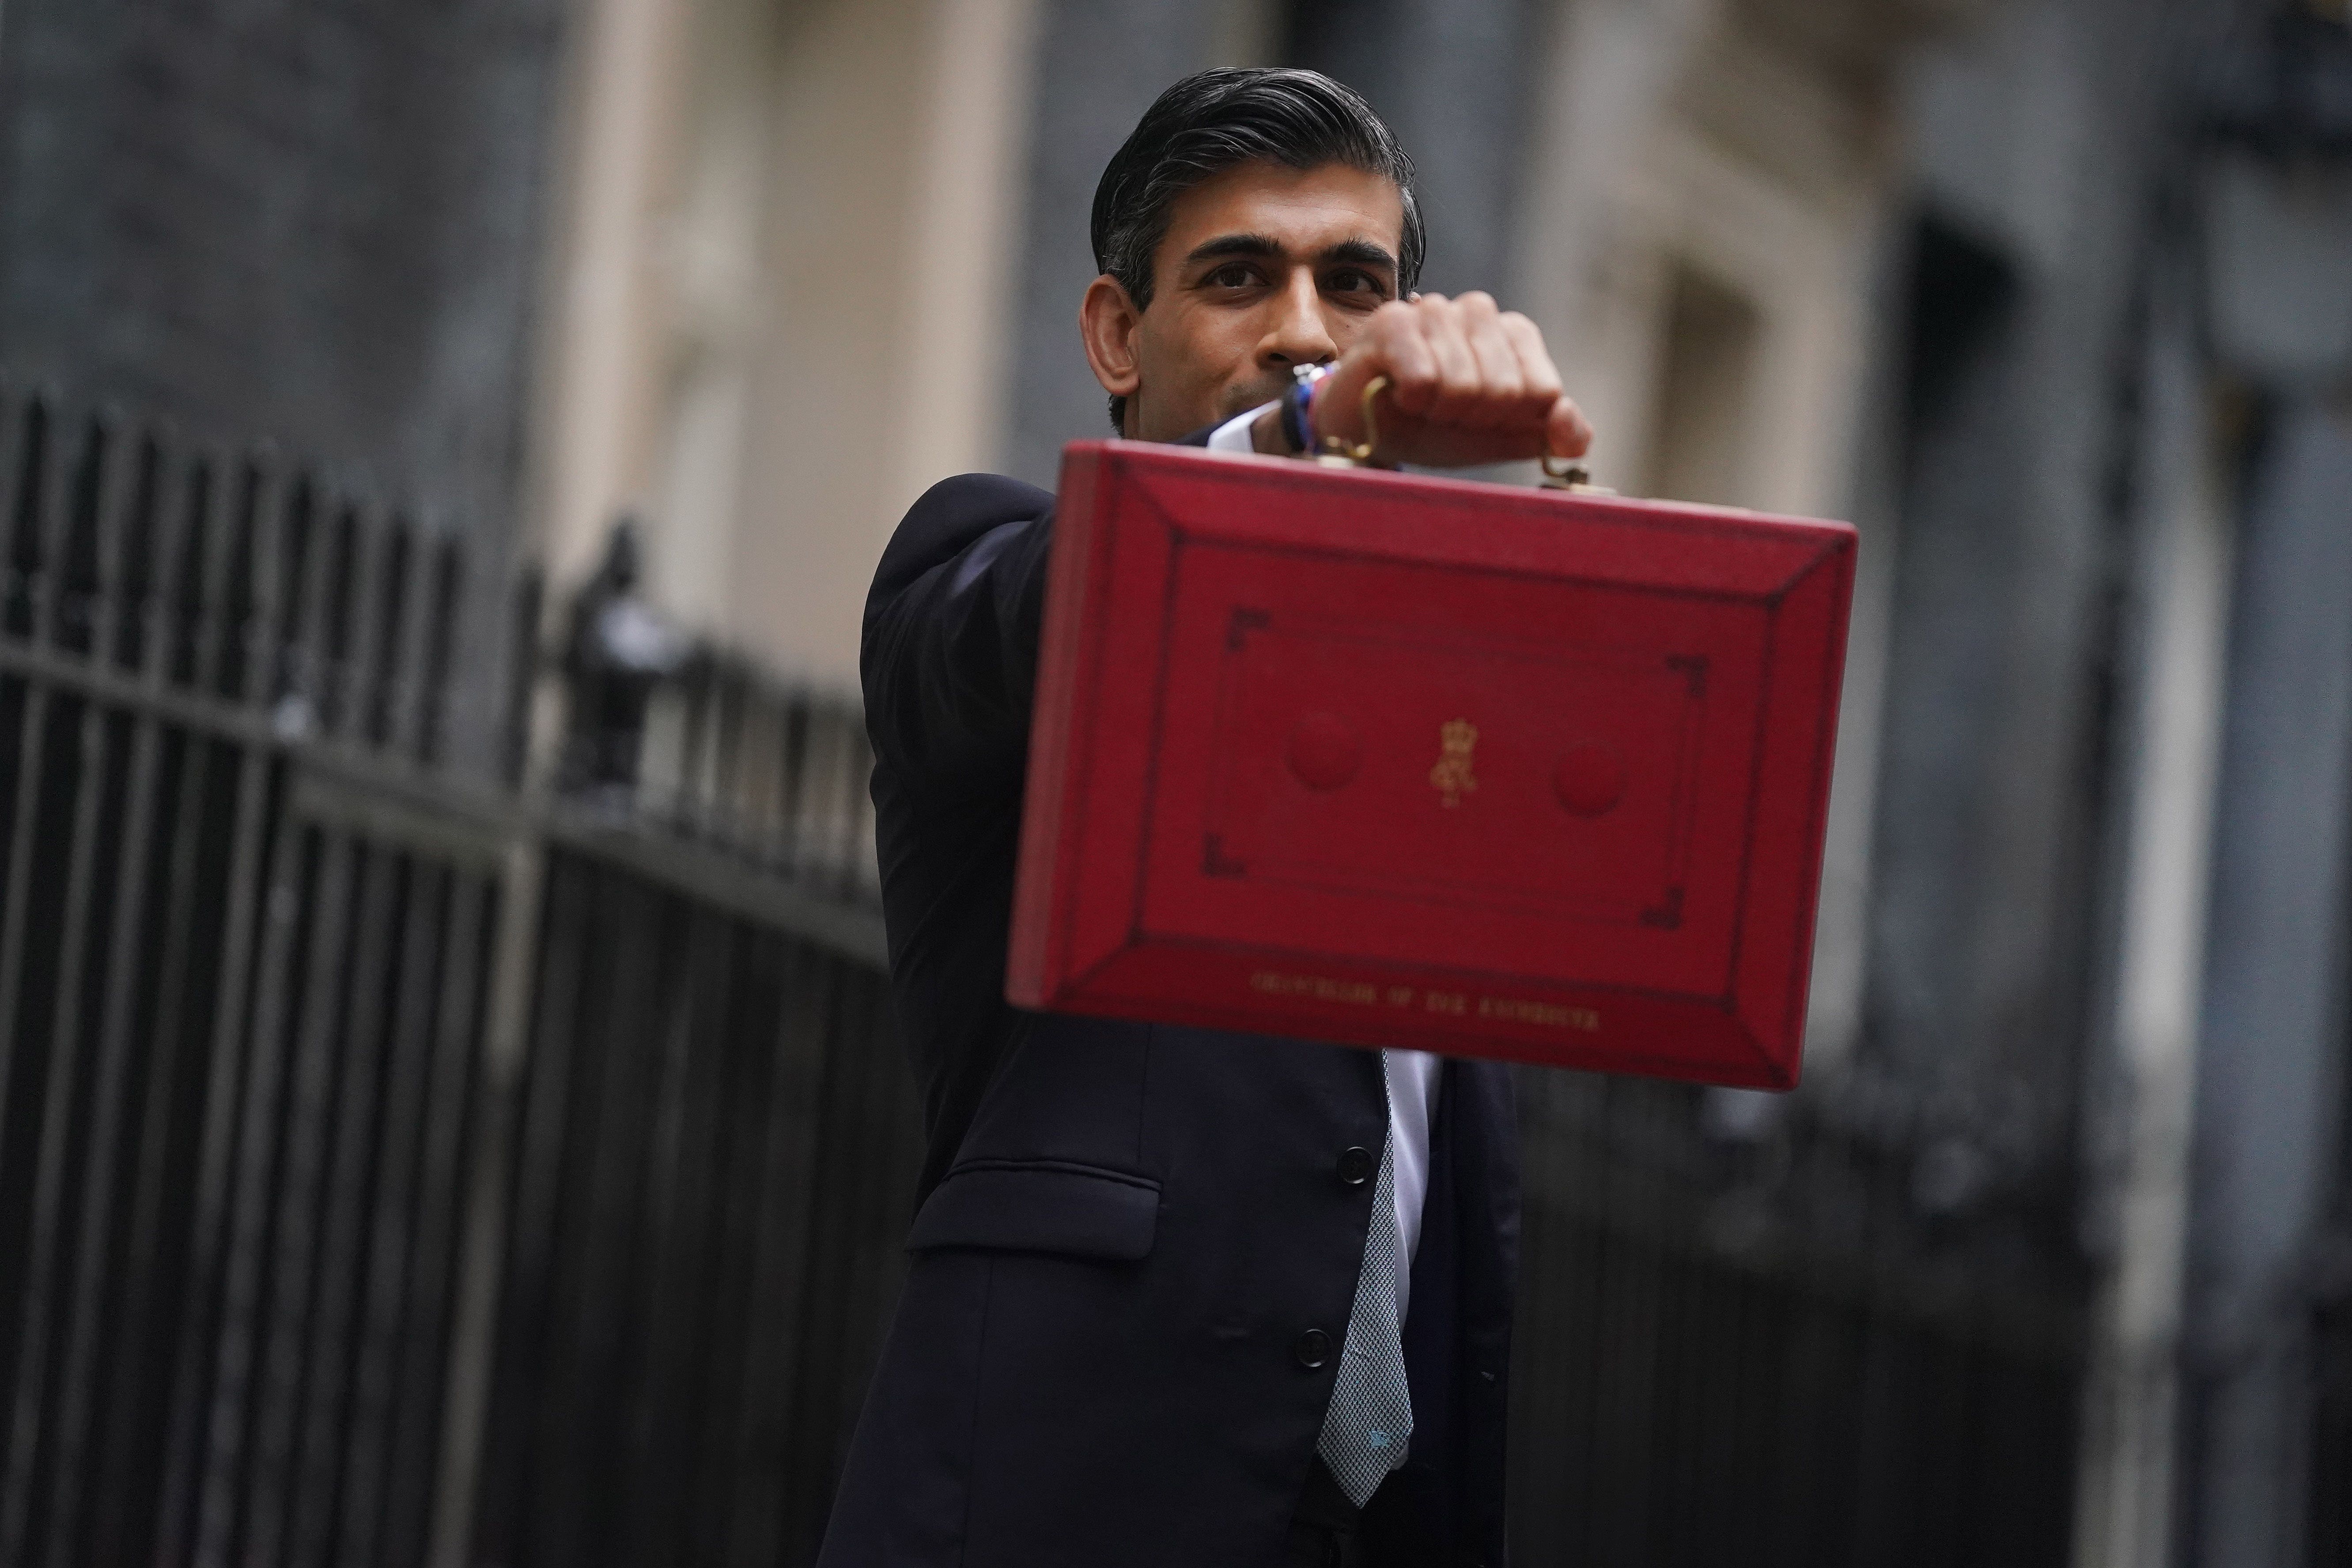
1233,435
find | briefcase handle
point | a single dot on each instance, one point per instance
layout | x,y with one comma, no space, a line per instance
1559,473
1562,474
1339,453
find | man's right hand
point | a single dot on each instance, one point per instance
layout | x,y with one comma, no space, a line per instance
1469,382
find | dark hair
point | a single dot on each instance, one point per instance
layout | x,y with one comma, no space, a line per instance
1213,119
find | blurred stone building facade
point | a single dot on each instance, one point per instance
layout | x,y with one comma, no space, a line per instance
1941,267
321,228
1962,270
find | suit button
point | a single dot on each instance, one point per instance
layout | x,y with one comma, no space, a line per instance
1313,1349
1356,1166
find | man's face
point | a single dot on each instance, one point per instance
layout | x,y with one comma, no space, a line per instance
1263,268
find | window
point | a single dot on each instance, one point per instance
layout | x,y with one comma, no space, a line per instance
1698,445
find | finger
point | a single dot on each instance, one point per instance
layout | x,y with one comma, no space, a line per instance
1390,345
1502,396
1567,432
1401,350
1539,377
1415,371
1458,367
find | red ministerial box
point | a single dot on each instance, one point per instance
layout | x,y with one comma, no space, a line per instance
1400,761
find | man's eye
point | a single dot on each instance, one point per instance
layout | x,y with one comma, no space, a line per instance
1352,282
1232,275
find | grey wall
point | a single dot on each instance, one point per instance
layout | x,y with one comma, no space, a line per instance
2043,141
2060,163
1452,77
1100,64
2270,1080
312,222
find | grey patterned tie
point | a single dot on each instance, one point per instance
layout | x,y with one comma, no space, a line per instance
1366,1430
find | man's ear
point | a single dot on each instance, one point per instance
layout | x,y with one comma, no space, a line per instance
1108,322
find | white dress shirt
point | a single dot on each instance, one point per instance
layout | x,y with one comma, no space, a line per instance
1233,435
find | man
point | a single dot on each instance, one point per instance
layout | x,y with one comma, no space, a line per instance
1181,1297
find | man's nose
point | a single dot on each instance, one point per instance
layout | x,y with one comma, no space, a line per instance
1297,336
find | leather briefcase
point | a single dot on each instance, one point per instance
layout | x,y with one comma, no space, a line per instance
1392,760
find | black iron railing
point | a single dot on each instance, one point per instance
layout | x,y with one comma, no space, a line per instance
350,1101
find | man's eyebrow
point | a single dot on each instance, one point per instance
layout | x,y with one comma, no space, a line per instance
1363,253
1235,245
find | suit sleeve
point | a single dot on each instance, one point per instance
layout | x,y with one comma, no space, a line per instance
950,649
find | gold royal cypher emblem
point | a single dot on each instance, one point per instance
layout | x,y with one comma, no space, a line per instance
1452,777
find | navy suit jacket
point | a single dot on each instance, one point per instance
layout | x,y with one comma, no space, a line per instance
1125,1231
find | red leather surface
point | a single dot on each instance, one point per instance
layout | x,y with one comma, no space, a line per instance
1393,759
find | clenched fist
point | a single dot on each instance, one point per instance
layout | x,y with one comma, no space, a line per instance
1469,382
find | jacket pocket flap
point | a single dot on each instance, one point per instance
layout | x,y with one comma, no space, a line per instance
1080,1211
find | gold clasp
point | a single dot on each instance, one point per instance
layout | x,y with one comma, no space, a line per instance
1340,454
1562,474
